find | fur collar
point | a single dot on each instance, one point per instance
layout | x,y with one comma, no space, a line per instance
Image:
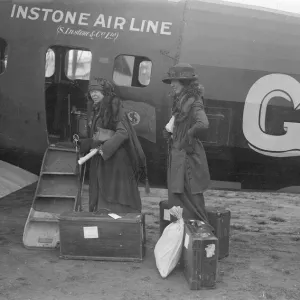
193,90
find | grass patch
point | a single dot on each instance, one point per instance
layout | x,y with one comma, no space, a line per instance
268,296
239,240
222,195
274,257
262,222
238,227
277,219
295,238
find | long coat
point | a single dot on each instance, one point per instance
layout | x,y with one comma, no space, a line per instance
188,172
113,180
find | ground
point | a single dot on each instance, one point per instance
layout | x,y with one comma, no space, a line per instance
264,260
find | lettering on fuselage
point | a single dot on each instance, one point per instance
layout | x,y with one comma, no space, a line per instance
102,26
254,119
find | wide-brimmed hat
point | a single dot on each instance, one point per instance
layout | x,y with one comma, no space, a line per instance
180,71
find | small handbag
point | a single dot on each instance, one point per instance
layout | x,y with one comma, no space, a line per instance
103,134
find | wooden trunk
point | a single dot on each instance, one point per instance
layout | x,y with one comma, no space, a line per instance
219,219
200,255
94,236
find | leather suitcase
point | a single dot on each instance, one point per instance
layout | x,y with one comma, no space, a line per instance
95,236
219,219
200,256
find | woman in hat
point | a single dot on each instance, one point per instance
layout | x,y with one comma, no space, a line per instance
115,171
188,172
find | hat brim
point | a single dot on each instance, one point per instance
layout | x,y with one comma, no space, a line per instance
168,80
95,88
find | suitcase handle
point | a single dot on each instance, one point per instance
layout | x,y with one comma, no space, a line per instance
198,223
101,209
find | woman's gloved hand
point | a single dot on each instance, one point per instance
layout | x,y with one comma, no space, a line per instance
85,145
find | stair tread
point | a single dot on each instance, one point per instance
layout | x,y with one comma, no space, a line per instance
58,173
55,195
39,219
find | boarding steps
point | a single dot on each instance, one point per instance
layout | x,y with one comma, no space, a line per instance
58,190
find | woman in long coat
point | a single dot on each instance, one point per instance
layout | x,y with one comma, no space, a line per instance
115,171
188,172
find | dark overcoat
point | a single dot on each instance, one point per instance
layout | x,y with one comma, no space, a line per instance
188,172
114,174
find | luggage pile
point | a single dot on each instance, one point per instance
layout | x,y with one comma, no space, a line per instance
56,220
190,244
201,249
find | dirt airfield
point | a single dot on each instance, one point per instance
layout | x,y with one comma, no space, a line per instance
264,260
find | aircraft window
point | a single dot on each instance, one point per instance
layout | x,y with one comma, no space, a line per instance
132,71
145,68
3,55
78,64
50,63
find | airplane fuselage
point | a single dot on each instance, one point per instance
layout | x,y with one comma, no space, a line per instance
247,59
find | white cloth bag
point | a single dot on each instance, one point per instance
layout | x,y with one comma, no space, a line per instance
168,248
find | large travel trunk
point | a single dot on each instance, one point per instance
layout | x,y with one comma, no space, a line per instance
98,236
219,219
200,255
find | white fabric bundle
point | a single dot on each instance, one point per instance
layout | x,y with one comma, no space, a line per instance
169,127
168,249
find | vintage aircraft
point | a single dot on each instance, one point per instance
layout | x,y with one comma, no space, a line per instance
247,59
